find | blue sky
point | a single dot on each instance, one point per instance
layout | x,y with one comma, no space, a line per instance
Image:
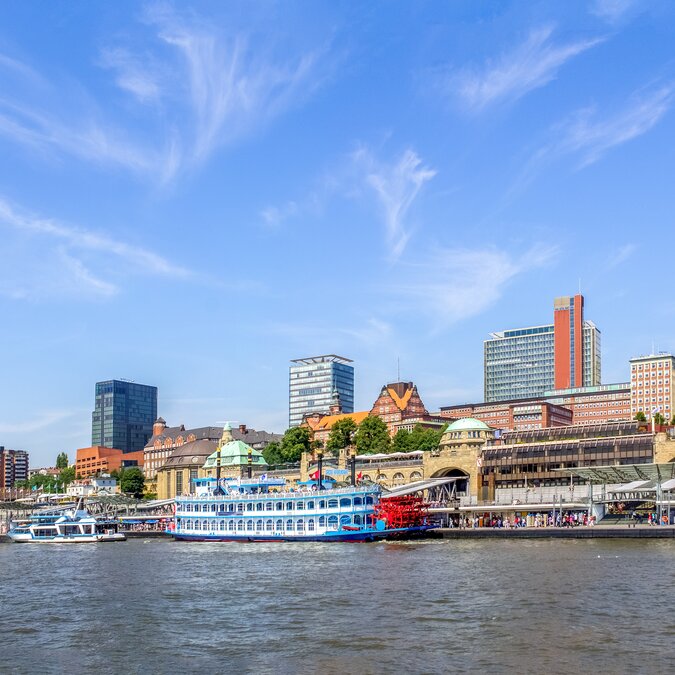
192,196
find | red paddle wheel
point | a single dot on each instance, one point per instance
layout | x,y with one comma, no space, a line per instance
399,512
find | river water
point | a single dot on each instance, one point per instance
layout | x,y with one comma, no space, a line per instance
157,606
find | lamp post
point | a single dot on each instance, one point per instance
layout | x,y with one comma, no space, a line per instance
250,462
319,457
352,463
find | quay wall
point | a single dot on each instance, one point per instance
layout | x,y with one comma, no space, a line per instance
598,532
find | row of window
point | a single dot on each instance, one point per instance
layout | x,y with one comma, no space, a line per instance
343,502
290,525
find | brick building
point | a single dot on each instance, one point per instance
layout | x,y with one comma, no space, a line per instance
13,467
98,459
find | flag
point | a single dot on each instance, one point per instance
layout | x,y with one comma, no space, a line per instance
360,476
263,477
315,475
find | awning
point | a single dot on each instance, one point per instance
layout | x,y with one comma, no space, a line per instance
635,486
624,473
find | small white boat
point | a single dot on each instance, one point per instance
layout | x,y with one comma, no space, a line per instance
73,526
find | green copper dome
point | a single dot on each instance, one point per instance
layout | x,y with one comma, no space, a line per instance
468,424
235,453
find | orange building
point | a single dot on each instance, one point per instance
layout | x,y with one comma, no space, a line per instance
397,402
98,459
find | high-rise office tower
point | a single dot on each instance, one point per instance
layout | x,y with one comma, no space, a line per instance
123,415
529,362
318,382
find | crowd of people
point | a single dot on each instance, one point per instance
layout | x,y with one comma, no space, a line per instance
569,519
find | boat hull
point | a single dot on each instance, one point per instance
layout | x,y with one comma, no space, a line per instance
337,536
83,539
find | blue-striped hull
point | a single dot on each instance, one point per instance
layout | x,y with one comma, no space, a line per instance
339,535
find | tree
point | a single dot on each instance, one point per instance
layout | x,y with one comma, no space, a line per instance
424,438
640,417
341,434
672,421
659,418
272,454
401,442
372,437
132,481
67,475
62,461
296,440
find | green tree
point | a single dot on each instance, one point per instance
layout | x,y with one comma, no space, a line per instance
659,418
401,442
640,417
296,440
132,481
372,437
272,454
424,438
341,434
22,484
67,475
62,461
672,421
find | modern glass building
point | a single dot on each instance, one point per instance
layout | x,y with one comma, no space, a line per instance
528,362
314,383
124,414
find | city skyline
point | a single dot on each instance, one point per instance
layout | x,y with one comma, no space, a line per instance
192,197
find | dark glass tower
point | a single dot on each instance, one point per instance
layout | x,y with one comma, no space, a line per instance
124,414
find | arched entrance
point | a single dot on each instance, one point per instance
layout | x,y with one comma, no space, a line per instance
454,490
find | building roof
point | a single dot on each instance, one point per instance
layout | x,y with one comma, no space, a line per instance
251,436
324,358
235,453
468,424
400,393
193,453
327,421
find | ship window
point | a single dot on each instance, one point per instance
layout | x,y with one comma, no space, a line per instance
240,507
322,504
300,525
268,506
322,521
188,507
259,506
269,525
197,525
221,508
259,525
310,505
300,505
249,506
279,506
289,524
310,525
205,525
221,525
230,525
332,503
345,501
369,500
289,506
357,520
332,522
240,525
230,507
358,501
280,525
345,520
213,507
249,526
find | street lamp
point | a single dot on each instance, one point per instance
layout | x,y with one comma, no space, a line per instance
352,463
319,456
250,462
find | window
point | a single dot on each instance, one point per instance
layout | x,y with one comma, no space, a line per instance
249,526
322,521
289,524
269,525
332,522
300,525
345,502
280,525
310,525
259,525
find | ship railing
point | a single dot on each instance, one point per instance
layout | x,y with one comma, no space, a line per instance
234,496
383,463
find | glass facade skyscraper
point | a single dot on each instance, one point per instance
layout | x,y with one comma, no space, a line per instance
528,362
124,414
316,382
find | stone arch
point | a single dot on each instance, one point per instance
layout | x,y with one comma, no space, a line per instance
461,485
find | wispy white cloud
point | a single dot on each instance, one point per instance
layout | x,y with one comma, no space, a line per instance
396,185
38,423
613,11
63,268
209,88
455,284
620,255
588,136
531,65
592,137
273,216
